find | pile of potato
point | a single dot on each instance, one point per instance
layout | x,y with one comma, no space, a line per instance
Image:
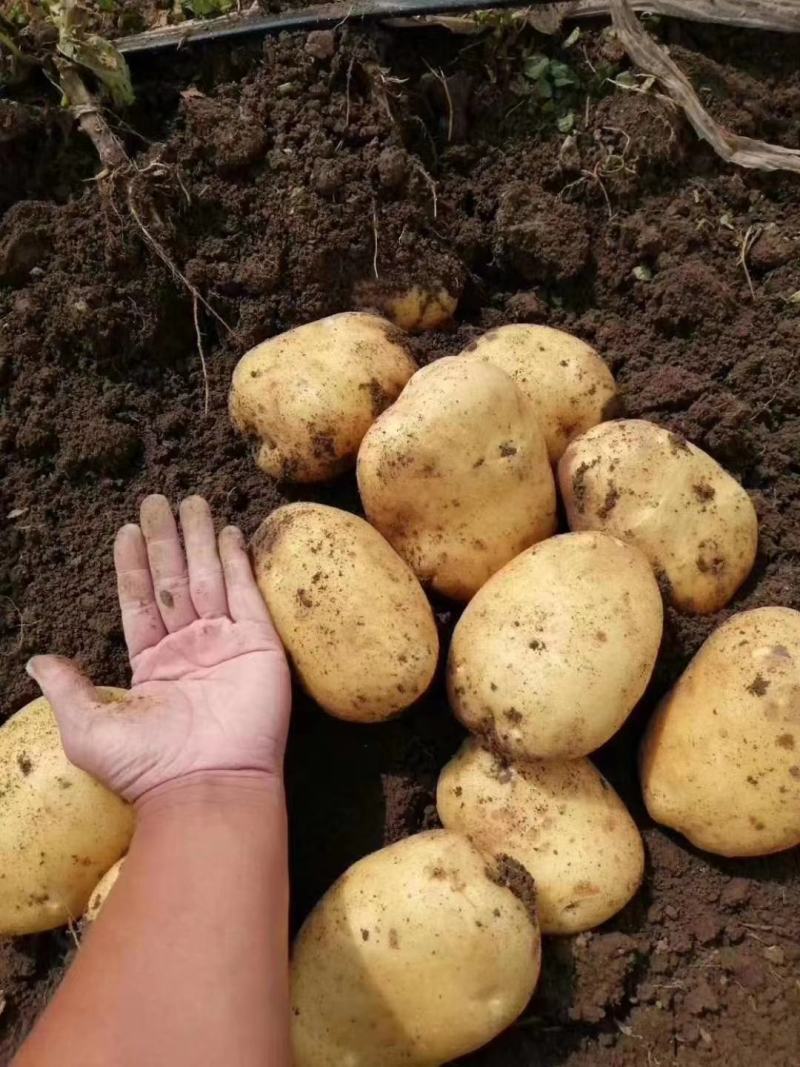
427,949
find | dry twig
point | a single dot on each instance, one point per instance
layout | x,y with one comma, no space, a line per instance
653,59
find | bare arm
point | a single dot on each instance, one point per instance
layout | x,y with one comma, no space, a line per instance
187,962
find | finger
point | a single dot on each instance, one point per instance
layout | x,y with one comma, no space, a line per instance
206,581
141,620
69,691
167,563
244,599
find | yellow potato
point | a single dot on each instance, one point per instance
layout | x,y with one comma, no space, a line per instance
414,310
560,819
60,829
101,891
455,475
550,657
692,520
565,379
307,396
353,617
721,756
413,958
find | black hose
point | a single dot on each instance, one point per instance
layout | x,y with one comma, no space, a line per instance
319,16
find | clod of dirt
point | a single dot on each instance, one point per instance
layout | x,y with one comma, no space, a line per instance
227,137
541,238
107,447
392,167
772,249
682,296
24,241
527,307
321,44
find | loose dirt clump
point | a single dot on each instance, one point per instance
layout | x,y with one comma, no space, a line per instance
294,175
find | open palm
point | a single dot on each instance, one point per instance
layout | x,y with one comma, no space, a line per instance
210,689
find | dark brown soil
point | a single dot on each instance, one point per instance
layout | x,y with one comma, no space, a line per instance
292,174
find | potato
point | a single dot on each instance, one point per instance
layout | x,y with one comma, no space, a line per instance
551,656
721,756
560,819
692,520
307,396
101,890
413,958
565,379
60,829
353,617
413,309
455,475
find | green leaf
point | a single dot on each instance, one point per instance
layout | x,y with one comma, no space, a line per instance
104,61
209,9
536,67
107,5
562,75
566,123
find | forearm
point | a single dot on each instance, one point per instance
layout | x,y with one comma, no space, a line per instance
187,963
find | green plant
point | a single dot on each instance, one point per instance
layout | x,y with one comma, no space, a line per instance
208,9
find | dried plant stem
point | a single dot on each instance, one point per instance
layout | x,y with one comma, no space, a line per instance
647,54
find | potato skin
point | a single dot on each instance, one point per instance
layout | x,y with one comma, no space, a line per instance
353,617
550,657
413,958
101,890
560,819
565,379
721,757
455,475
692,520
60,828
308,396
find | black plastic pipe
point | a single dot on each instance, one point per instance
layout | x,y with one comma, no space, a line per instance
318,16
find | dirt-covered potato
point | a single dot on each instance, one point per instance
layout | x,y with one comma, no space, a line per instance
721,756
354,619
565,379
560,819
413,958
455,475
692,520
550,657
101,890
307,396
59,828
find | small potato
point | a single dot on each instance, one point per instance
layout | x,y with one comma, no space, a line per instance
60,829
414,310
308,396
353,617
560,819
413,958
721,756
692,520
455,475
550,657
101,891
565,379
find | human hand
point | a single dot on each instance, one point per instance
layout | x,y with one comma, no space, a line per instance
211,689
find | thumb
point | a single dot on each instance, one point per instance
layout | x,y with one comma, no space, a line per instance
71,694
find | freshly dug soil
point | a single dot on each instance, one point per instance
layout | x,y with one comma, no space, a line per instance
296,178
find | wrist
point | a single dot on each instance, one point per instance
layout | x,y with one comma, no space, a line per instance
218,790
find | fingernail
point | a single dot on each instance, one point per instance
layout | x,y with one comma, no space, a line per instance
30,669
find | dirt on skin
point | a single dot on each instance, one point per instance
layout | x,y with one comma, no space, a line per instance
295,173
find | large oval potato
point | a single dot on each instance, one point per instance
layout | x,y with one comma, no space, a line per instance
565,379
413,958
692,520
455,475
560,819
550,657
353,617
308,396
721,756
60,829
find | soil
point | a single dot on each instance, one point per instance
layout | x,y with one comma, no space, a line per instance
294,172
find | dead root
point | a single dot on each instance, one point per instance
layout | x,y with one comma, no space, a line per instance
119,171
653,59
